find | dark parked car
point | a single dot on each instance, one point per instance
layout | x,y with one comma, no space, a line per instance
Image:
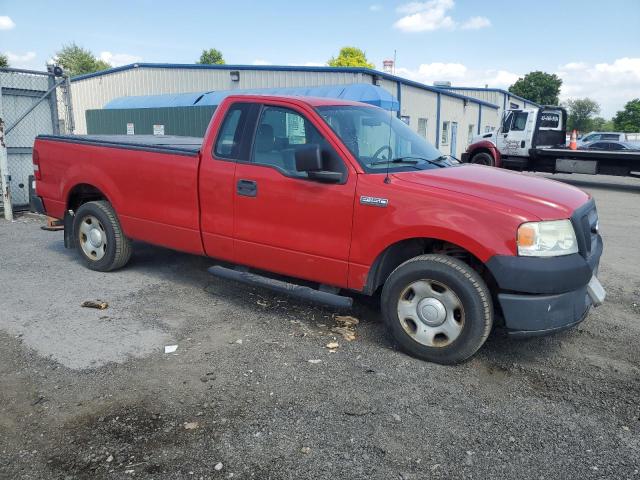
611,145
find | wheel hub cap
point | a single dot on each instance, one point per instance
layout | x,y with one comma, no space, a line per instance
92,238
95,237
432,312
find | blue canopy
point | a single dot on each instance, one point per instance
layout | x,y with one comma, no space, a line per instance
358,92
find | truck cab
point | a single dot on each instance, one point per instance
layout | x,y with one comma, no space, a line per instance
520,130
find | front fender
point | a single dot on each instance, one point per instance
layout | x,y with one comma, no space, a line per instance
485,145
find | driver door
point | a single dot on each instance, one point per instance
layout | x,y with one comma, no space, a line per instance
285,222
513,140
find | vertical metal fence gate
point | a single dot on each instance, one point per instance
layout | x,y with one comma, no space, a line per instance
32,103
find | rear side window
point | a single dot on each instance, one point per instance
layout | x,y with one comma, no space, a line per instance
231,138
610,136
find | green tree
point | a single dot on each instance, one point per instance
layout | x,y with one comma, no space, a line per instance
4,61
539,87
581,114
350,57
76,60
211,57
628,120
600,124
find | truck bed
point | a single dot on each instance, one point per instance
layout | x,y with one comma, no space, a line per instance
152,143
585,154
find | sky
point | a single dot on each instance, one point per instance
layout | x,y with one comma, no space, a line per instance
593,46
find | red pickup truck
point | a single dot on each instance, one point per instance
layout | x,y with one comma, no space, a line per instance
341,196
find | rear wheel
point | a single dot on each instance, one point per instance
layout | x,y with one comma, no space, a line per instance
101,243
483,158
437,308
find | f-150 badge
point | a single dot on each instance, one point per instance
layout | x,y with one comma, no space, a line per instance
374,201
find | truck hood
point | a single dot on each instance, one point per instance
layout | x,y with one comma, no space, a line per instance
546,199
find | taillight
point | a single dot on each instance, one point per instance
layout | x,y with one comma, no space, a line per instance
36,165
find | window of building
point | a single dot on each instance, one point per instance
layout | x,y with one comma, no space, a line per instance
444,137
422,127
406,119
470,134
514,106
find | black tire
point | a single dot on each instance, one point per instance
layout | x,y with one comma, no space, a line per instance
475,318
117,250
483,158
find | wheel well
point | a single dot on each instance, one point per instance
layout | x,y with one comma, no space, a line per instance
480,150
400,252
83,193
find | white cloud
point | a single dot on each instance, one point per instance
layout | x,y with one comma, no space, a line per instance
119,59
6,23
312,64
375,7
260,61
610,84
425,16
21,60
433,15
475,23
458,74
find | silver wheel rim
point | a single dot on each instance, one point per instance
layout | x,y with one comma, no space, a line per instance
431,313
93,238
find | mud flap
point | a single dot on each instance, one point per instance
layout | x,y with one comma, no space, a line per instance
68,229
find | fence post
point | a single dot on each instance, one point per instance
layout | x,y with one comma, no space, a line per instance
4,173
4,169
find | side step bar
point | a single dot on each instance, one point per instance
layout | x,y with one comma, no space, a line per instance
291,289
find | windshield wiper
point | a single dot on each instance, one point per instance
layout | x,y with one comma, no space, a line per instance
410,160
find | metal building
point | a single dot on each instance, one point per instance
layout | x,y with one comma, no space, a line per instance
189,114
445,118
502,98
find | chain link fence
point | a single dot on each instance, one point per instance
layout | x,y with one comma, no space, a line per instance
31,103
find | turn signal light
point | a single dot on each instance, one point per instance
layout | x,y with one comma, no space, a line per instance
526,236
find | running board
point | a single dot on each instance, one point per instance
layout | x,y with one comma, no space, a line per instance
291,289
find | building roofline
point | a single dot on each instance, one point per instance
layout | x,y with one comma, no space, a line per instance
482,89
288,68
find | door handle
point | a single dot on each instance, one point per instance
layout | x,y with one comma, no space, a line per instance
247,188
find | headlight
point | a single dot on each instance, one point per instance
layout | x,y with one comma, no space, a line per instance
547,239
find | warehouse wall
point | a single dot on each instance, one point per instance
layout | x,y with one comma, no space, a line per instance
419,107
496,97
94,92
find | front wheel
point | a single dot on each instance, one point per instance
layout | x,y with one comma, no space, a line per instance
483,158
437,308
101,243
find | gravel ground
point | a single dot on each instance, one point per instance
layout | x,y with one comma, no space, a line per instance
91,394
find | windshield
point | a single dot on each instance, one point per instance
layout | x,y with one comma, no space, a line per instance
379,140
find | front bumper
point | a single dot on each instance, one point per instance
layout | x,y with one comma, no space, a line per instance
530,315
543,295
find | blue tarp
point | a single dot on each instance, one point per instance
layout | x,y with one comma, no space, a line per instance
358,92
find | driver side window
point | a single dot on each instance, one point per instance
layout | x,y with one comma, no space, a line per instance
280,133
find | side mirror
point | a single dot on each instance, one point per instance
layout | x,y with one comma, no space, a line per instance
308,158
